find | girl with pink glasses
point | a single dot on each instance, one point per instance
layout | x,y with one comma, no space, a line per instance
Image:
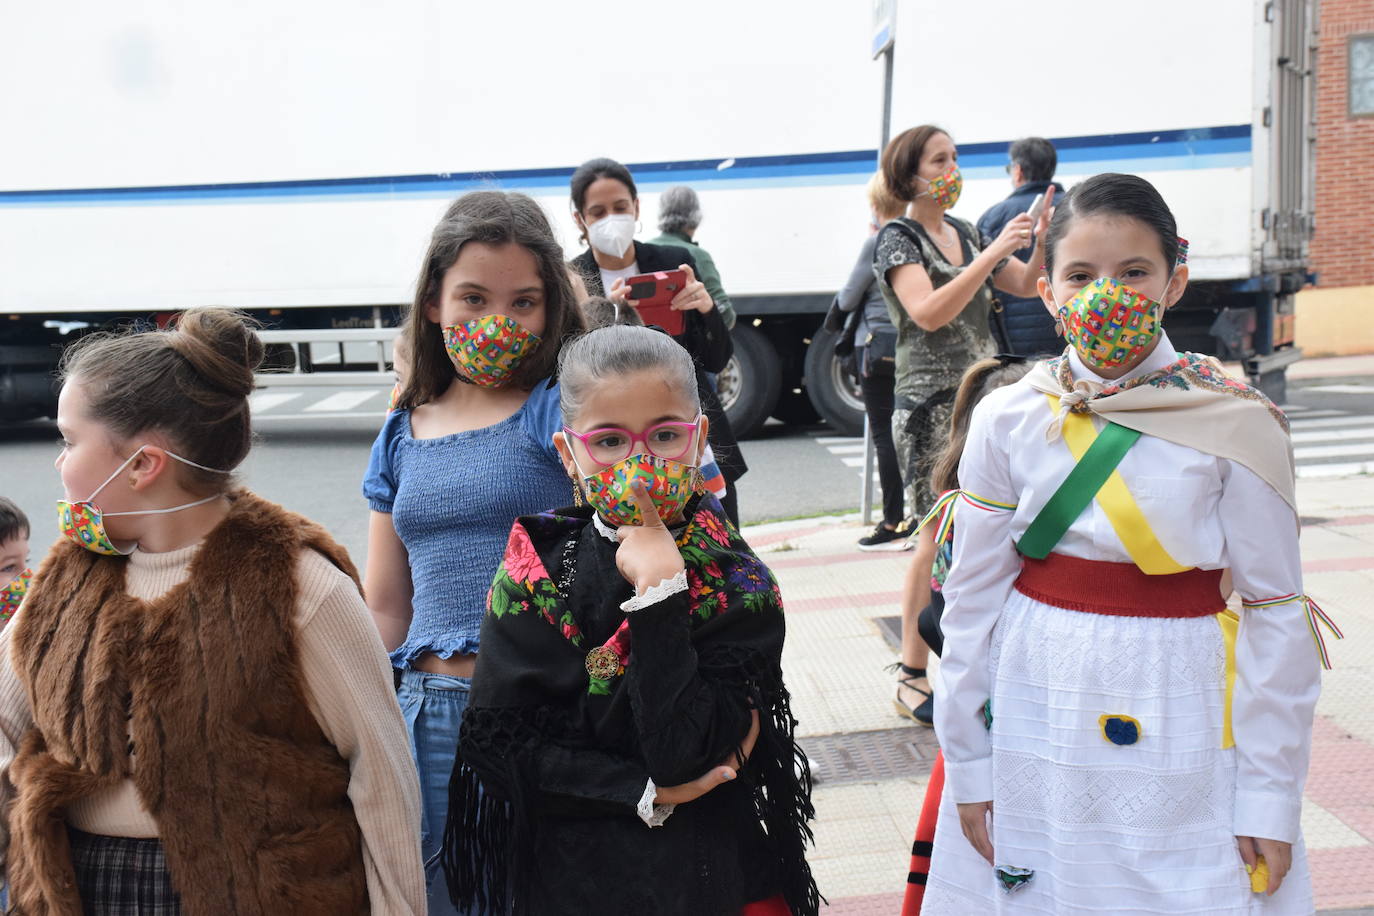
629,731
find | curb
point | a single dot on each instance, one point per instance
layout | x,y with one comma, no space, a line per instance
766,533
1326,367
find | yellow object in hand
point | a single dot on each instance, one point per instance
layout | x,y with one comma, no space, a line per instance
1259,876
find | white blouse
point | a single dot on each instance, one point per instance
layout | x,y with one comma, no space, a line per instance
1207,512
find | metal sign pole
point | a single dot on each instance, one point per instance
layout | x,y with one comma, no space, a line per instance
866,493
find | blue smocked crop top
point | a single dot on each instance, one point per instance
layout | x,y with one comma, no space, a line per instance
453,500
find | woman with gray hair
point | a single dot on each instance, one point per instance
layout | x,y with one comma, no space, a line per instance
679,215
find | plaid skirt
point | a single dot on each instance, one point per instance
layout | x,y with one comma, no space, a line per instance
122,876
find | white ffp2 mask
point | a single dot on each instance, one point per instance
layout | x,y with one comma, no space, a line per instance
613,234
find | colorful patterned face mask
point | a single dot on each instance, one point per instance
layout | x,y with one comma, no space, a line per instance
1110,324
670,484
945,189
83,522
11,595
487,349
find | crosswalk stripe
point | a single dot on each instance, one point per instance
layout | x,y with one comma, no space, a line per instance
265,400
1315,415
1355,450
343,400
1335,435
1336,470
1329,422
1343,389
1349,436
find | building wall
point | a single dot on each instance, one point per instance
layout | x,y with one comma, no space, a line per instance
1343,243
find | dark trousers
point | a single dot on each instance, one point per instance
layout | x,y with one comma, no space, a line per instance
878,400
730,503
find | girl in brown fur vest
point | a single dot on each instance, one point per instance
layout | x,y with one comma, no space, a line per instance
196,715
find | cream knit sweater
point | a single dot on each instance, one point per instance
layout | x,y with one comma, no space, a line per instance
349,690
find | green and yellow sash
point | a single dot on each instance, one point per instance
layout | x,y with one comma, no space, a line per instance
1095,476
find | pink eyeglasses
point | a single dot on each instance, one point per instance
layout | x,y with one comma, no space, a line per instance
610,444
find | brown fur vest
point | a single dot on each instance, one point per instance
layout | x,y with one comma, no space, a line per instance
250,798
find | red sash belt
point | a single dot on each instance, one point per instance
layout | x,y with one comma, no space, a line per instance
1119,589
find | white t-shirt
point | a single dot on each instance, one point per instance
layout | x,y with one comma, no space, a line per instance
608,277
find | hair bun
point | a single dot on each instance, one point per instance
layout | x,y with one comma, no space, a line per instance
221,346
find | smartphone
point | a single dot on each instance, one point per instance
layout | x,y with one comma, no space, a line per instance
1036,208
653,297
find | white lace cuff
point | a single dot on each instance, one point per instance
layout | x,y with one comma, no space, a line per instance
664,589
651,814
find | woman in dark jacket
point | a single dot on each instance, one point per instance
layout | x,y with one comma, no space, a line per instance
606,208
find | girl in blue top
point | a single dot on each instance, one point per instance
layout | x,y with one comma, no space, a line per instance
468,449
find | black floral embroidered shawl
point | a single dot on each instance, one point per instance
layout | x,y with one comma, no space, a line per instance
555,753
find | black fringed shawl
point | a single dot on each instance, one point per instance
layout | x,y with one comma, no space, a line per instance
553,760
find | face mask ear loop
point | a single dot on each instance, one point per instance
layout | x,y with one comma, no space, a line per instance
119,470
200,502
1058,309
701,441
577,465
1179,260
194,465
1164,294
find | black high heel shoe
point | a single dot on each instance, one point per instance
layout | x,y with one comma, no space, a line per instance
924,712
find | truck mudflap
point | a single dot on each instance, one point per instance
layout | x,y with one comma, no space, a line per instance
1268,372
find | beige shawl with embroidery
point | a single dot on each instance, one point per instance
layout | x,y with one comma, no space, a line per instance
1191,402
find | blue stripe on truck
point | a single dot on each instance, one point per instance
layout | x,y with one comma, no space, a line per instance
1194,148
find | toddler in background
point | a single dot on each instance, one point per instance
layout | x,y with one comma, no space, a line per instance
14,558
400,367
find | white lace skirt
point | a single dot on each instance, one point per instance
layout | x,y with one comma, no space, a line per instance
1144,827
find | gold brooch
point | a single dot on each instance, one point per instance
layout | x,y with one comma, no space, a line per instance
603,663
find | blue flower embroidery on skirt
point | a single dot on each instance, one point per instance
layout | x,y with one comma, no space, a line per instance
1120,729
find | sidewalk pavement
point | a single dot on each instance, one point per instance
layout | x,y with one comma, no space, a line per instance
840,604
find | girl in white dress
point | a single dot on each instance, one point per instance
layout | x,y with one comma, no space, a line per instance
1115,740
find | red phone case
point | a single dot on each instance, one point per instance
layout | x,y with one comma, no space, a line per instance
655,304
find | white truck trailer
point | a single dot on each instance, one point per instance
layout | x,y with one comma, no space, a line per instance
290,159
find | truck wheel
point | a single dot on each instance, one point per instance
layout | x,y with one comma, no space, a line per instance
278,358
833,391
749,385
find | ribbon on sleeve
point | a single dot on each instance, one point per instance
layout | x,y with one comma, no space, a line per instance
942,513
1316,618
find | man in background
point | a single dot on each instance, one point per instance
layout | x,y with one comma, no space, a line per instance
679,215
1030,329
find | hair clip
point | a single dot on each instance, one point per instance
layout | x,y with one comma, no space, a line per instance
1182,251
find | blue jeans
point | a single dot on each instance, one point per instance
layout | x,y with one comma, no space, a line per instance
433,707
